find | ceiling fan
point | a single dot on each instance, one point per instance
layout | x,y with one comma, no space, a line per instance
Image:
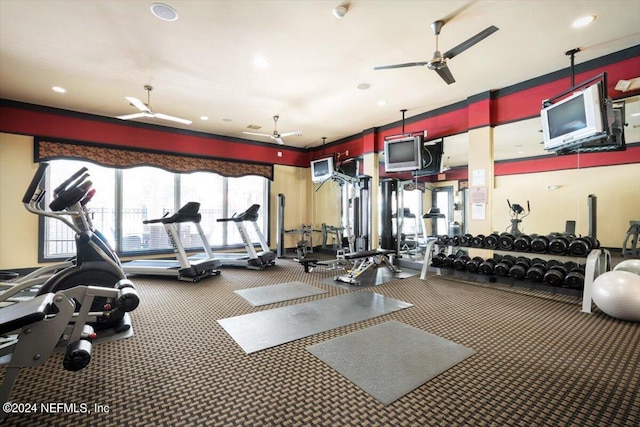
439,61
145,110
276,135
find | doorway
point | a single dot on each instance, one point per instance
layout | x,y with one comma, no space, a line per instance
443,200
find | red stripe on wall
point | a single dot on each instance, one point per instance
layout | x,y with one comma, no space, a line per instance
448,123
570,161
527,103
28,122
479,113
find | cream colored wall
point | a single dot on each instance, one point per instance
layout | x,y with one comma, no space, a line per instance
480,154
617,189
295,184
327,209
18,227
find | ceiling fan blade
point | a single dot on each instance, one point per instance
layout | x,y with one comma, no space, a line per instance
138,104
132,116
470,42
445,74
456,12
278,139
258,134
171,118
296,133
408,64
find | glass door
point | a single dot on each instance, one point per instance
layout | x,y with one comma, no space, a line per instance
443,200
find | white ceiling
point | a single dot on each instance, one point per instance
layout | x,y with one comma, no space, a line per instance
201,64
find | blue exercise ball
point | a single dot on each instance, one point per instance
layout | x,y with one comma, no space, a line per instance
617,293
631,265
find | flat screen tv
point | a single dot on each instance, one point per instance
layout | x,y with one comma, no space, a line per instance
321,169
573,119
403,154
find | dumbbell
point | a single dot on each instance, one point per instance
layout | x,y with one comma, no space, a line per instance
454,241
466,240
536,272
443,239
460,263
491,241
504,265
522,243
519,269
478,241
540,244
581,246
436,261
556,273
505,241
487,266
559,245
575,278
473,265
448,261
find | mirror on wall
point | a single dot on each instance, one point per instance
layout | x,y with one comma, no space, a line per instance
555,197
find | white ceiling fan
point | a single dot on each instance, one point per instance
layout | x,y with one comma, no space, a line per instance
275,136
145,110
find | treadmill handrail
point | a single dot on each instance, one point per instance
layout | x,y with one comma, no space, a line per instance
187,213
250,214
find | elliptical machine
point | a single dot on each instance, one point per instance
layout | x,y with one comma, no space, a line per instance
96,264
515,210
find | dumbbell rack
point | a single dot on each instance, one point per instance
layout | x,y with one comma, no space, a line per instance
598,262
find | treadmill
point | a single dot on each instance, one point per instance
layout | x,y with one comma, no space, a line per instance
183,268
252,259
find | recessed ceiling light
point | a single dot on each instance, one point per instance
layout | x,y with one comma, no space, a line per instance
204,118
59,89
382,103
226,119
164,12
363,86
583,21
261,62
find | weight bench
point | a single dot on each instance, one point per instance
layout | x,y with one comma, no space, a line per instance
49,322
364,261
310,264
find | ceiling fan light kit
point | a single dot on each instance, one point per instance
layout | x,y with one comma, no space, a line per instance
340,11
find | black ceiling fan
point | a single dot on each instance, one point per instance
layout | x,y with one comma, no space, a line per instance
439,61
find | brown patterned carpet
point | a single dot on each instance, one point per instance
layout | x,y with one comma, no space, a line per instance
539,362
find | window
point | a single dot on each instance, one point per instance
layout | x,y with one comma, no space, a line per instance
147,193
59,238
125,198
206,189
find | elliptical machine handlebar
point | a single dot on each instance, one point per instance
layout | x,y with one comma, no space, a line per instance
31,193
71,192
73,177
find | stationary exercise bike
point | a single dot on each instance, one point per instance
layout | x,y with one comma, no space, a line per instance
95,264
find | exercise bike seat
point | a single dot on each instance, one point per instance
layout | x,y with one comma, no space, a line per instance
19,315
187,213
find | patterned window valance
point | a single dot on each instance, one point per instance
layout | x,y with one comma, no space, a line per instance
119,157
